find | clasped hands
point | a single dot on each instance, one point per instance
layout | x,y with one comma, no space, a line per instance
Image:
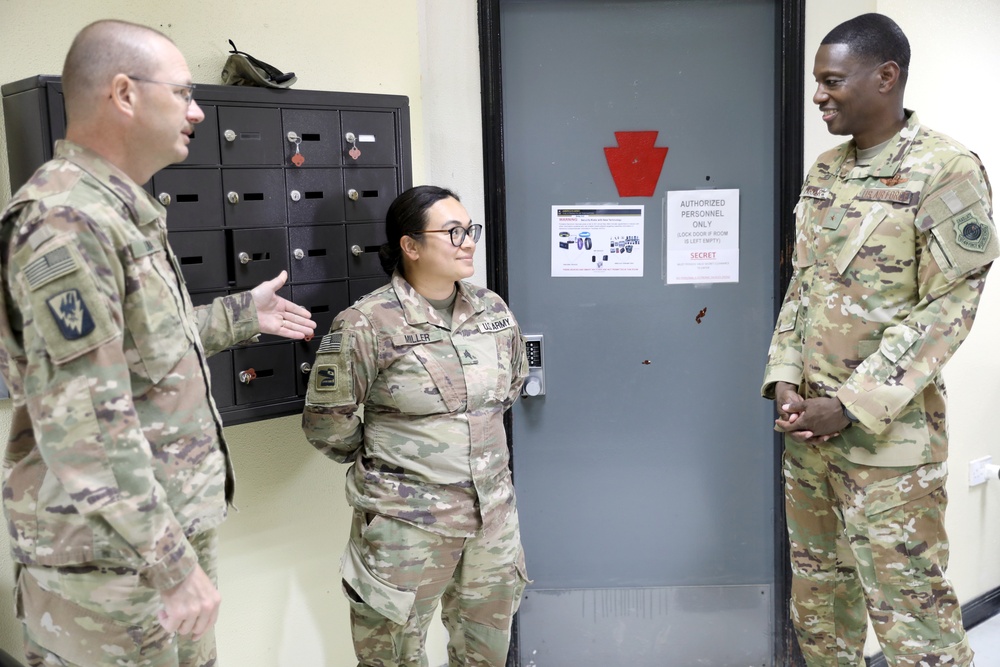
808,420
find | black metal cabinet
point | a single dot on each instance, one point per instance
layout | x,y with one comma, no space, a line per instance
274,179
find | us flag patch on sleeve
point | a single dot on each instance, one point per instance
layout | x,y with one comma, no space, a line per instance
331,343
48,267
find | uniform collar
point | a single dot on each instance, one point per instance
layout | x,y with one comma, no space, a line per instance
886,163
140,204
418,310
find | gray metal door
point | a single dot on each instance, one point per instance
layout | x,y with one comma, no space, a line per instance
645,474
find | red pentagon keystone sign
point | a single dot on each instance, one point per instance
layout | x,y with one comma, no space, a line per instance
636,163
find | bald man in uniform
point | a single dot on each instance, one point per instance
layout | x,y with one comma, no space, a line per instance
116,472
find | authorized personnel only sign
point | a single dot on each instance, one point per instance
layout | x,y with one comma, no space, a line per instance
702,239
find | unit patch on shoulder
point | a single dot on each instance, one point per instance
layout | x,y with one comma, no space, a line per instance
53,264
326,377
971,233
71,314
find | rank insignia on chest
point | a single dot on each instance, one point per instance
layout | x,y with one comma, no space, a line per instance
833,217
71,314
326,377
971,233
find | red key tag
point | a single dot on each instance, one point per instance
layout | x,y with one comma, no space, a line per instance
355,152
298,159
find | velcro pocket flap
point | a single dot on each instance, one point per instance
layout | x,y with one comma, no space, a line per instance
856,240
896,341
892,493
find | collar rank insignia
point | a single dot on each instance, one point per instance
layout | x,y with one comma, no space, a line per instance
71,314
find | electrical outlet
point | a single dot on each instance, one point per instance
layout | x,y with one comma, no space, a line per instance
978,474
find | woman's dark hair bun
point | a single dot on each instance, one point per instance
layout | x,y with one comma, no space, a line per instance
407,215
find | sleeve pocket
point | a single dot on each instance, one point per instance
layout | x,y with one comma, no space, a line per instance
788,316
896,341
70,313
966,244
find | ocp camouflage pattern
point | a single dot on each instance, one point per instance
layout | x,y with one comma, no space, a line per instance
432,449
890,262
116,450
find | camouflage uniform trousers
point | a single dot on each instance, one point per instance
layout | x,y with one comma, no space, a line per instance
870,539
105,614
478,581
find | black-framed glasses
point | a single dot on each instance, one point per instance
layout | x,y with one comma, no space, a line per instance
188,88
457,234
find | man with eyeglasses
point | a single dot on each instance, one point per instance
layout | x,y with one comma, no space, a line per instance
894,238
116,470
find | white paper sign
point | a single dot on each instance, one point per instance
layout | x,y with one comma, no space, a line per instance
703,236
597,240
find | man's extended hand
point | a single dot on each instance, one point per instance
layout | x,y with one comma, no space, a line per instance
192,606
811,420
280,316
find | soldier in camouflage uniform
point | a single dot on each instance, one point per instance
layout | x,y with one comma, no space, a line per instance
116,473
894,238
435,362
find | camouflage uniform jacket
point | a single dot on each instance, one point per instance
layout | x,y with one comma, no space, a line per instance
890,261
116,449
432,449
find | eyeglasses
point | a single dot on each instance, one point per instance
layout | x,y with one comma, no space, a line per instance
457,234
186,94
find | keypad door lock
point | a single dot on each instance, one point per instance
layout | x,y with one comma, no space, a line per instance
534,385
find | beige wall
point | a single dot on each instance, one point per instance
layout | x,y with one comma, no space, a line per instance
280,552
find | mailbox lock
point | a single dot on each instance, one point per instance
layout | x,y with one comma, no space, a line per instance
164,198
292,137
298,253
350,138
305,367
229,135
248,376
244,258
357,250
233,198
352,194
295,195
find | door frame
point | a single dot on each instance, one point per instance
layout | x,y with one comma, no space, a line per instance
789,108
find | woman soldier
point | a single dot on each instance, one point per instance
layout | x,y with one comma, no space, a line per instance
435,361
